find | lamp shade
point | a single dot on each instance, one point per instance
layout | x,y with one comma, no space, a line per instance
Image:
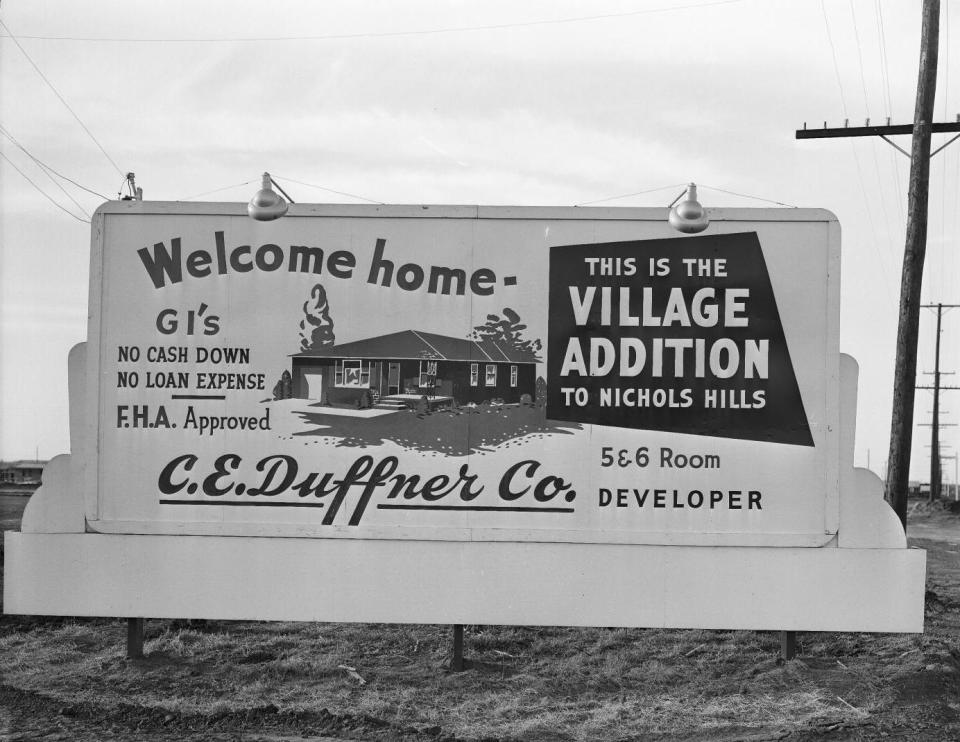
266,205
688,215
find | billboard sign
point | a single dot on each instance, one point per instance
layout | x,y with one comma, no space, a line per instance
464,373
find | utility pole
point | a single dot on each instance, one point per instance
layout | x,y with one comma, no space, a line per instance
935,428
953,485
905,368
939,480
935,446
935,473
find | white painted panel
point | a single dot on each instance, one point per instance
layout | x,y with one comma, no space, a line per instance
449,582
259,310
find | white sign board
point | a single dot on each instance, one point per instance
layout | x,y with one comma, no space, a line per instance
465,373
516,397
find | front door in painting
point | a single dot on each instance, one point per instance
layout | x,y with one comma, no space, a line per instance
314,385
393,379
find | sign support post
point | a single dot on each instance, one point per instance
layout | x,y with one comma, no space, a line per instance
458,664
788,645
135,638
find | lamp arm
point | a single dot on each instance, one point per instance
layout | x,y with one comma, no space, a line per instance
279,188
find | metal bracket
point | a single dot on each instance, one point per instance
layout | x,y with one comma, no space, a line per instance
895,146
277,186
944,146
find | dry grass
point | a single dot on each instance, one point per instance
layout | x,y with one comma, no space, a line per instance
543,683
525,683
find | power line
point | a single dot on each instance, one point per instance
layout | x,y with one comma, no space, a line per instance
873,224
943,190
387,34
866,105
863,79
833,49
70,180
884,61
44,170
43,192
856,157
885,69
62,99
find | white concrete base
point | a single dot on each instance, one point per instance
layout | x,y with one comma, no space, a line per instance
825,589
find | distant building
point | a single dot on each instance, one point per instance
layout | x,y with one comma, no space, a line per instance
24,472
918,489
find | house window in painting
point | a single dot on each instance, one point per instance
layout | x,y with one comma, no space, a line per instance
474,374
352,373
428,373
513,376
491,379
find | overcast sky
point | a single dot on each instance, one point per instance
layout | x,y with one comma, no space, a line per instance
534,103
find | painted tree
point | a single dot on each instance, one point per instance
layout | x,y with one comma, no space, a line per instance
316,327
507,331
541,398
283,388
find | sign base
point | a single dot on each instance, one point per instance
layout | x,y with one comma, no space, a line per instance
445,582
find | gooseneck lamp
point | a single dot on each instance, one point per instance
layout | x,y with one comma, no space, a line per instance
688,216
266,205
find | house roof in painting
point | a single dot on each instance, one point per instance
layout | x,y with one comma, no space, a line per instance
416,344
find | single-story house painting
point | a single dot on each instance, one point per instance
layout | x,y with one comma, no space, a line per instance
405,366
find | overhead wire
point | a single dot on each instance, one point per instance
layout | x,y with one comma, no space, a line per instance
42,192
943,189
866,106
120,189
45,171
70,180
59,96
856,158
836,65
956,158
863,79
885,71
884,60
413,32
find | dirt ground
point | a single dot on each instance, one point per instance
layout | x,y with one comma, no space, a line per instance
68,679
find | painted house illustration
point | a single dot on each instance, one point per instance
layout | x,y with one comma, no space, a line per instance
402,367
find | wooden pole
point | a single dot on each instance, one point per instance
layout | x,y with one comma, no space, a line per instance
788,645
134,638
905,368
457,664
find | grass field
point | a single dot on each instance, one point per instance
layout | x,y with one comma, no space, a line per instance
261,681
